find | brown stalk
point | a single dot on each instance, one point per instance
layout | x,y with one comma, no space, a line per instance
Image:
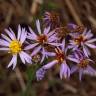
20,79
73,12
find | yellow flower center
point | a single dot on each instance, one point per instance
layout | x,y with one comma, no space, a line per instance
15,47
79,40
59,55
83,63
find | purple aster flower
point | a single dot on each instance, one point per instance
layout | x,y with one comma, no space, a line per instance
60,57
13,45
83,40
41,40
82,64
51,19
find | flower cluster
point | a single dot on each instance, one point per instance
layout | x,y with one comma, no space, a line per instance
59,44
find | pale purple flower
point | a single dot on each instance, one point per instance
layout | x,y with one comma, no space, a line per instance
41,40
60,57
13,45
83,40
82,64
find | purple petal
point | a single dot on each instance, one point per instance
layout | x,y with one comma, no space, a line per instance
71,26
63,44
22,58
52,38
46,30
26,57
13,61
73,59
85,31
91,45
88,35
50,33
40,73
5,49
50,54
85,51
23,36
31,46
91,41
80,74
6,38
50,64
4,43
38,26
36,50
32,35
10,34
74,69
89,70
43,55
64,70
19,32
55,44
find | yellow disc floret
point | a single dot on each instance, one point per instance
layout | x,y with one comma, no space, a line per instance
15,47
83,63
60,56
79,40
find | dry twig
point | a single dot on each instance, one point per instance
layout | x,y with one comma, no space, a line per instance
20,78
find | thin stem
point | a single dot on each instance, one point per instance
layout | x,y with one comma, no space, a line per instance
73,12
20,79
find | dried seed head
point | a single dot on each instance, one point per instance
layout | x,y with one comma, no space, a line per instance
62,32
36,58
78,29
51,19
